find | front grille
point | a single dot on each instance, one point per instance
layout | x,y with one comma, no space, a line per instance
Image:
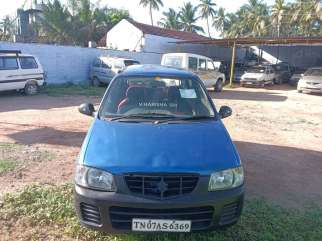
201,217
230,213
161,187
90,213
250,79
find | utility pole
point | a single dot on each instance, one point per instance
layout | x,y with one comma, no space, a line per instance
232,65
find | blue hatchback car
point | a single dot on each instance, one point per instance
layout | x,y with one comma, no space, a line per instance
157,157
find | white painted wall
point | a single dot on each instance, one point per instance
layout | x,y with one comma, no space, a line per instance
124,36
71,64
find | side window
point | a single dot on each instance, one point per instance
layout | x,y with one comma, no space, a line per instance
193,63
210,65
28,63
8,63
97,63
202,64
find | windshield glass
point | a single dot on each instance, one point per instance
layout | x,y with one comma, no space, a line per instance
256,70
174,61
130,62
155,97
313,72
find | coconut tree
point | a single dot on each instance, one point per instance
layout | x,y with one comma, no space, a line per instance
188,18
277,15
153,5
170,20
220,21
7,28
206,8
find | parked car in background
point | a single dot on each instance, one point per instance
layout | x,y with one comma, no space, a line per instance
104,68
20,72
297,74
283,72
158,157
239,71
259,76
202,66
311,81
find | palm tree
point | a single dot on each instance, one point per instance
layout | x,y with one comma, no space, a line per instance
188,18
7,29
278,10
207,10
220,21
153,5
305,18
170,20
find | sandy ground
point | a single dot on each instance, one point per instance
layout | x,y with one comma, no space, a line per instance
278,133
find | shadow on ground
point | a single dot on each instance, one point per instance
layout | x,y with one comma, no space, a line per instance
287,175
248,95
18,101
50,136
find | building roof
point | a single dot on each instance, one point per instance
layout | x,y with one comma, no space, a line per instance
169,33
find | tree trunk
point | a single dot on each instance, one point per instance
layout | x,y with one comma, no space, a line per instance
208,27
151,14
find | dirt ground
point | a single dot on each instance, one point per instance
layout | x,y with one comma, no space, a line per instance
278,133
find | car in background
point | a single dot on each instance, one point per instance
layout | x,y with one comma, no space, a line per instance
296,76
20,72
258,76
283,72
203,66
311,81
104,68
158,157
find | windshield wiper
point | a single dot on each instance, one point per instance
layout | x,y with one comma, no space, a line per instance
201,117
143,116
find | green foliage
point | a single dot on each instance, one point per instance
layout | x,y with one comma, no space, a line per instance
152,5
72,89
207,11
7,29
188,17
79,21
170,20
16,156
52,206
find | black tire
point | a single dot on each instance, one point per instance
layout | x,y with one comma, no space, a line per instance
96,82
31,88
300,91
219,85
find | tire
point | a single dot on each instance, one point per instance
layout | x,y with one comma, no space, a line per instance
300,91
31,88
218,86
96,82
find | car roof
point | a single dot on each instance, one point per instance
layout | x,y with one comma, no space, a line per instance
14,55
156,70
187,54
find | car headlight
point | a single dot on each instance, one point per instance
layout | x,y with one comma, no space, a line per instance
226,179
94,178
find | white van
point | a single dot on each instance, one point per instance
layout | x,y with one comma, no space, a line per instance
104,68
203,66
20,72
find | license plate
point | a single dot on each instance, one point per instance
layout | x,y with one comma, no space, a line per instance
161,225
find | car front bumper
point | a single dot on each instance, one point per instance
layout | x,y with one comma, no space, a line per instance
113,212
255,83
317,88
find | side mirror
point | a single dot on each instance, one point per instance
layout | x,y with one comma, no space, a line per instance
86,109
225,111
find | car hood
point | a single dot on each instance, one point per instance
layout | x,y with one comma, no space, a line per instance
121,147
315,79
253,75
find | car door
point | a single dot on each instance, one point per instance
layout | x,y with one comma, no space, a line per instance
9,69
95,69
30,69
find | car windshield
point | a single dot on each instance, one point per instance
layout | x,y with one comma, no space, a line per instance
313,72
129,62
155,97
256,70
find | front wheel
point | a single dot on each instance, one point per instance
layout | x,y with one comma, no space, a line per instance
31,88
219,85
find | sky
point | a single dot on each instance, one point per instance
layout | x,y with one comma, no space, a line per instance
138,13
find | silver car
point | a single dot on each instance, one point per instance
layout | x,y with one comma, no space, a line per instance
104,68
311,81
